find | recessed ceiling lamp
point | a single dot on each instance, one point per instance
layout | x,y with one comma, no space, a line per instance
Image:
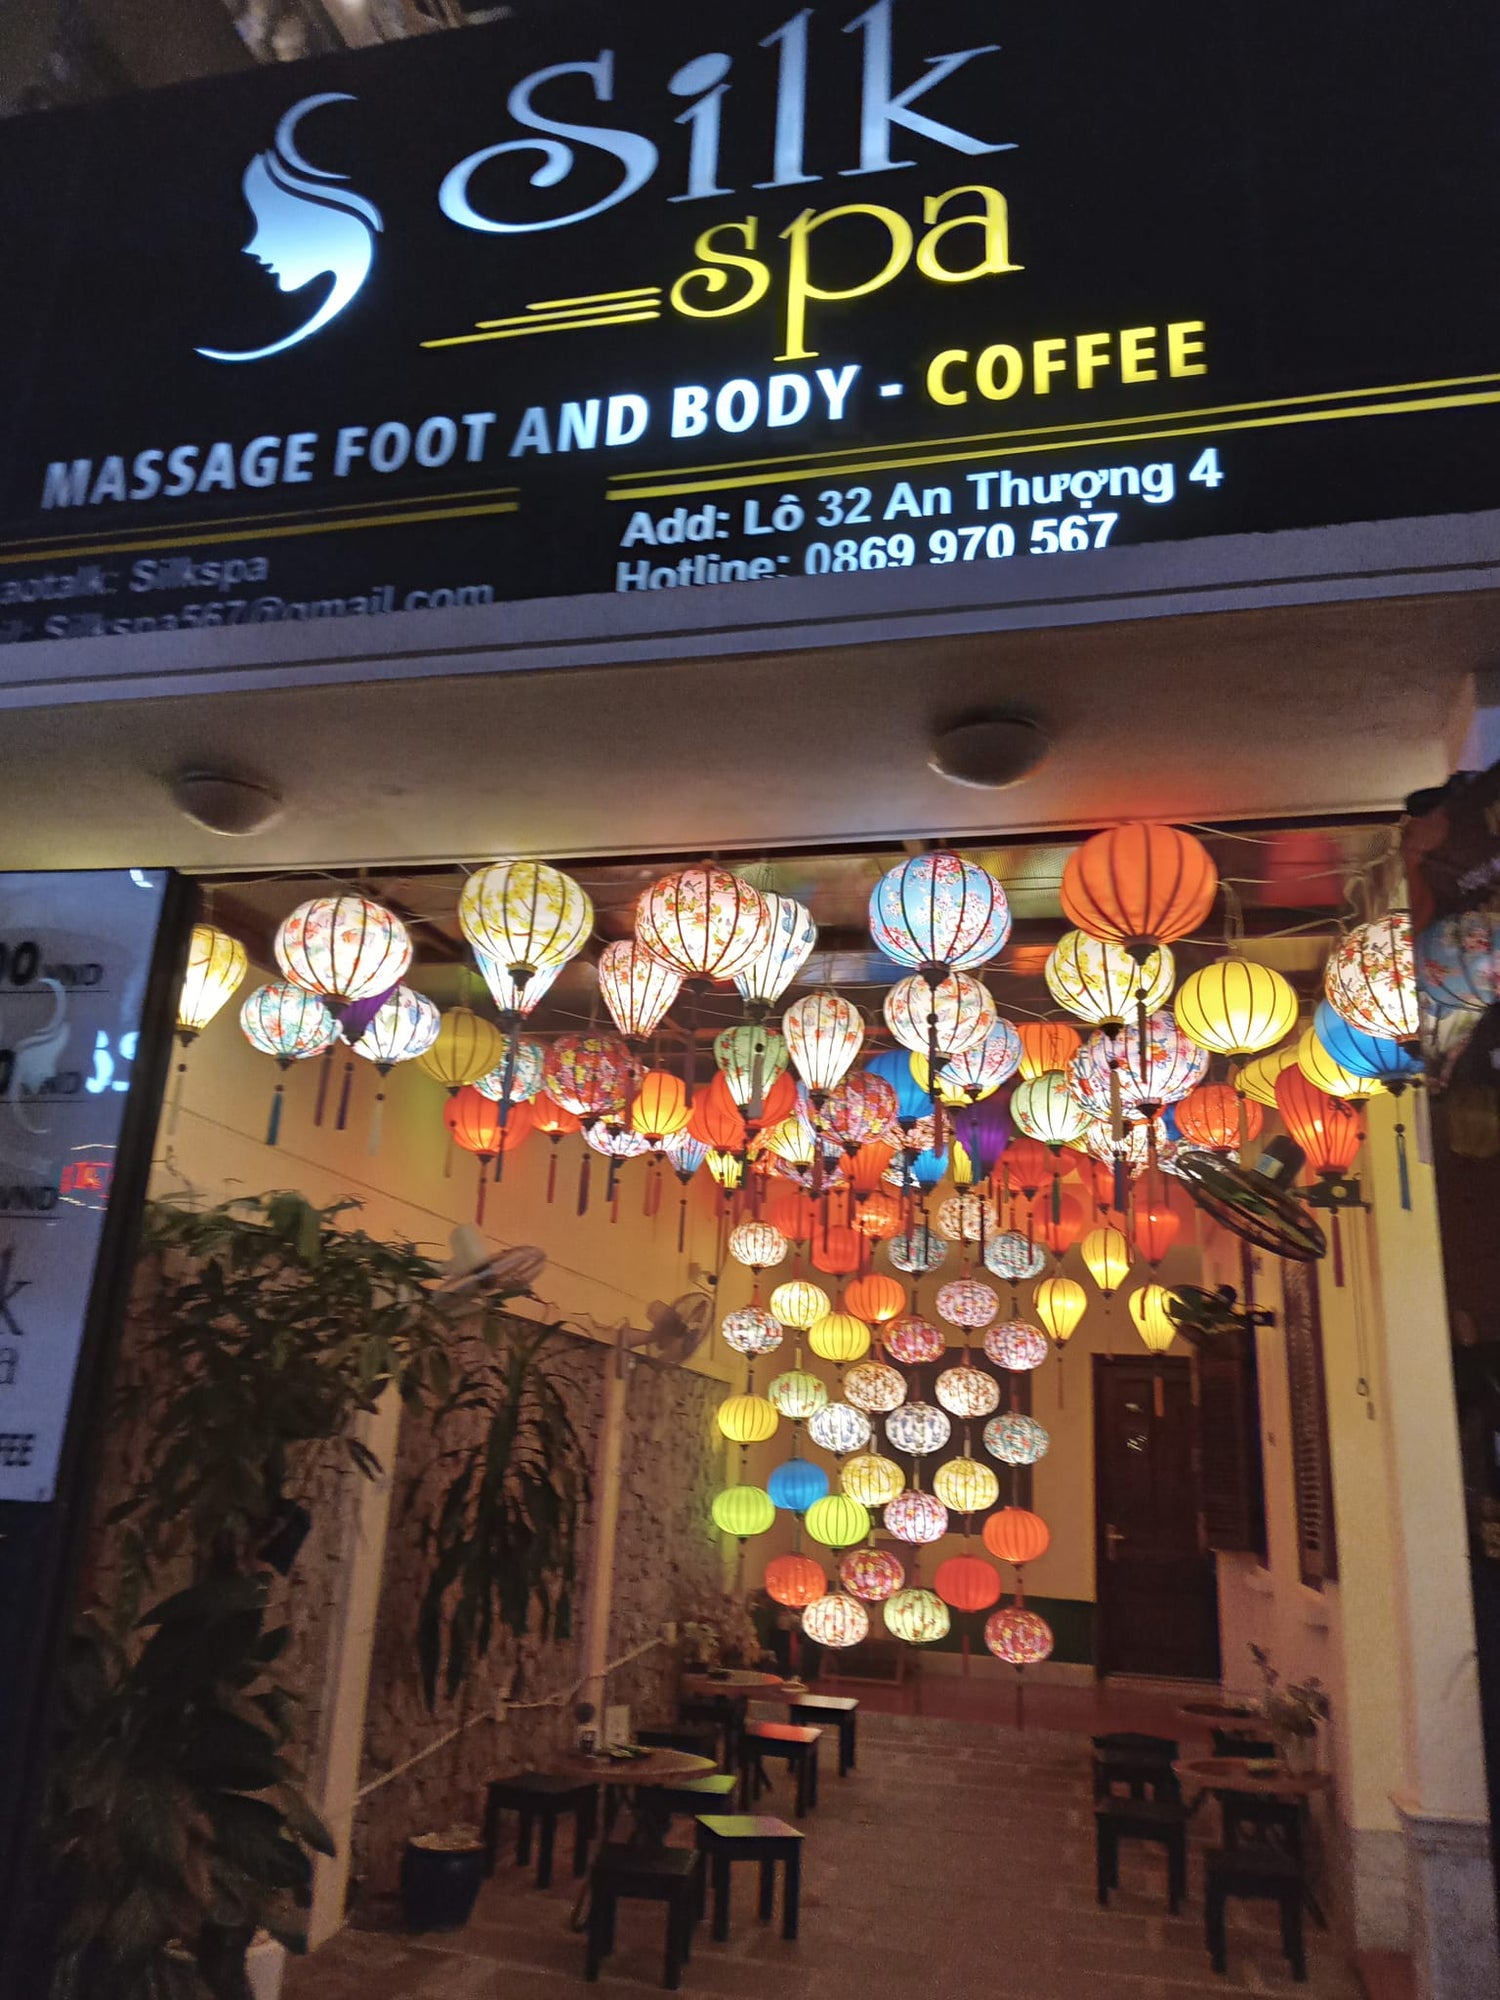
989,751
224,802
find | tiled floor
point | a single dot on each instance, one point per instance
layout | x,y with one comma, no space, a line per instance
957,1861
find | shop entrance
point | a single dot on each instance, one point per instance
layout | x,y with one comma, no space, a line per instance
1157,1595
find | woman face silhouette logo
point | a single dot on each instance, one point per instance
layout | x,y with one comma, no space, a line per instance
305,229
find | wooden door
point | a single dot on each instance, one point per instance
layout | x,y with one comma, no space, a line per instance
1158,1596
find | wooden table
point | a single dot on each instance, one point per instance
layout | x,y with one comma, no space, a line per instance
639,1776
741,1685
1231,1778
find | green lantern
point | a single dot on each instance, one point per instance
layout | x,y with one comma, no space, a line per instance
837,1521
743,1511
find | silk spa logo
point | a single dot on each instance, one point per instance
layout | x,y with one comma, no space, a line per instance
305,228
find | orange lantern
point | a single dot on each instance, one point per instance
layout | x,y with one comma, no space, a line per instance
968,1583
1026,1165
795,1580
1017,1536
838,1251
716,1120
1057,1228
552,1118
868,1165
1155,1224
875,1297
660,1108
1210,1117
791,1211
1046,1045
879,1215
473,1120
1098,1178
1327,1129
778,1101
1139,884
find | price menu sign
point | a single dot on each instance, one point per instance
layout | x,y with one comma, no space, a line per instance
76,951
693,298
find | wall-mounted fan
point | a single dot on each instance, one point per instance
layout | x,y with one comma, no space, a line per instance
1255,1202
475,1267
672,1332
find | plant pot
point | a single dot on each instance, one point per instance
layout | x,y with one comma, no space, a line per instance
439,1883
265,1967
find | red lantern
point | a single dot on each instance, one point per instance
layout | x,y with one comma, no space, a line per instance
1016,1535
968,1583
1139,884
791,1211
1098,1178
1026,1165
1327,1129
553,1119
778,1101
1058,1225
874,1297
716,1119
474,1121
660,1107
867,1167
838,1251
795,1580
1155,1224
1210,1117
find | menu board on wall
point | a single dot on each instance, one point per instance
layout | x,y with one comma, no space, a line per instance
75,954
654,297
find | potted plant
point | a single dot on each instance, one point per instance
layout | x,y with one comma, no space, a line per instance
1293,1711
499,1505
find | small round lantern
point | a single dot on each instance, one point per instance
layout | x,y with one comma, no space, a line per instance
1017,1345
795,1581
798,1394
839,1337
918,1428
1017,1636
751,1330
836,1620
875,1298
917,1616
743,1511
949,1018
872,1574
912,1340
796,1484
1016,1535
968,1217
1046,1045
589,1075
1046,1110
968,1583
871,1479
917,1251
839,1428
1371,979
837,1252
873,1387
1209,1117
837,1521
747,1419
968,1392
918,1518
1236,1007
965,1486
757,1245
1014,1439
968,1302
1010,1256
465,1048
799,1305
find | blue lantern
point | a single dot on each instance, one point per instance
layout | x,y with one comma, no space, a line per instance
912,1101
796,1484
928,1168
1365,1055
1458,963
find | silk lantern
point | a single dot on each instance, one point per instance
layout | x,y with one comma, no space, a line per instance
758,1246
969,1392
1017,1346
747,1419
1016,1535
1371,979
1047,1111
912,1340
872,1574
743,1511
786,945
1059,1303
1017,1636
1257,1078
751,1330
916,1517
840,1428
1106,1253
871,1480
636,987
796,1484
799,1304
1101,983
942,1020
345,949
965,1486
873,1387
968,1583
750,1058
290,1024
1236,1007
216,969
875,1298
1148,1308
703,921
1015,1439
839,1337
917,1616
837,1521
795,1580
660,1109
797,1395
918,1428
1212,1116
1140,885
837,1621
526,915
823,1034
1046,1045
938,912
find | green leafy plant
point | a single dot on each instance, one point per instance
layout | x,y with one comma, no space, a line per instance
174,1827
499,1503
1293,1708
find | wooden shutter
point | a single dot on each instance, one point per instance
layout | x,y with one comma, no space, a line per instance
1231,1491
1312,1471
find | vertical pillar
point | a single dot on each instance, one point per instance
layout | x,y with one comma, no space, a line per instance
599,1591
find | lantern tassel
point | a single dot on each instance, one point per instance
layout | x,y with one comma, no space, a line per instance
341,1122
1403,1172
377,1123
448,1158
1060,1381
1116,1106
479,1197
682,1225
1338,1252
176,1105
324,1072
273,1126
552,1173
583,1182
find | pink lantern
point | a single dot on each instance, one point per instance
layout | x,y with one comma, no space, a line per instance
637,987
968,1302
912,1340
916,1517
873,1574
856,1111
589,1075
1016,1345
703,922
1018,1636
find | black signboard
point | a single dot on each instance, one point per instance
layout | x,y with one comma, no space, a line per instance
598,299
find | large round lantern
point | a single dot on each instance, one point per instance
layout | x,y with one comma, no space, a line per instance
837,1521
823,1033
968,1583
1015,1345
917,1616
216,968
757,1245
1009,1255
1458,963
1321,1070
941,1020
1046,1110
787,943
747,1419
1102,983
839,1337
1371,979
937,912
795,1581
912,1340
1015,1439
836,1620
965,1486
1059,1303
1147,1074
918,1428
743,1511
1209,1117
525,915
879,1216
1153,1322
796,1395
636,986
796,1484
836,1252
874,1388
1395,1064
752,1330
287,1022
344,949
798,1303
1017,1636
1236,1007
660,1109
1016,1535
1325,1128
703,922
590,1076
856,1111
872,1574
968,1392
871,1479
1046,1045
524,1065
916,1517
750,1058
1257,1078
1106,1253
875,1298
1139,885
968,1303
839,1428
465,1048
917,1251
970,1217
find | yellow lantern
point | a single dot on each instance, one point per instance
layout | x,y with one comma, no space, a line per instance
1106,1252
872,1480
1059,1303
747,1419
525,915
837,1521
917,1616
1257,1079
660,1109
743,1511
467,1048
728,1169
1319,1067
839,1337
965,1486
216,968
1103,983
799,1305
1148,1308
1236,1007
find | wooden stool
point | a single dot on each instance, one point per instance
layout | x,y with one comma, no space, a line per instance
699,1739
799,1747
1253,1872
669,1875
841,1711
1143,1777
697,1795
534,1795
1164,1821
724,1839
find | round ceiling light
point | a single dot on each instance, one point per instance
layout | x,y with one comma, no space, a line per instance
989,751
